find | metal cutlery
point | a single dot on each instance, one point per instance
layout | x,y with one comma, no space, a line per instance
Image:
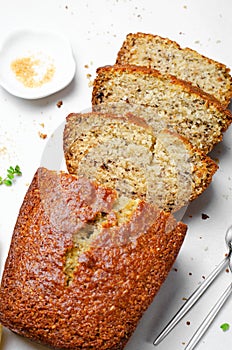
195,297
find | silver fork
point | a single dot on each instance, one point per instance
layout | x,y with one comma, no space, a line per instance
211,315
195,297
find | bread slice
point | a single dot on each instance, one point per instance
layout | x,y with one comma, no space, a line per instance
168,57
183,108
123,153
82,267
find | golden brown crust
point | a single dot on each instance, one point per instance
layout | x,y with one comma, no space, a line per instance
187,86
221,74
192,106
167,41
113,284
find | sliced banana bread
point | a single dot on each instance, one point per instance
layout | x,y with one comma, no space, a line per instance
185,109
82,266
123,153
168,57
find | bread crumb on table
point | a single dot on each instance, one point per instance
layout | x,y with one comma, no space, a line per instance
3,150
59,103
204,216
42,136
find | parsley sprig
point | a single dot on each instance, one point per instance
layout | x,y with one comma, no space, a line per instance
11,173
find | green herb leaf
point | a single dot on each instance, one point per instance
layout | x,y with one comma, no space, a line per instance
11,172
225,327
7,182
18,171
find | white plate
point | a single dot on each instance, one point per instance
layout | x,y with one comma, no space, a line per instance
35,56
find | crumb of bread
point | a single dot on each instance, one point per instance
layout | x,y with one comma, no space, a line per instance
204,216
3,150
42,136
59,103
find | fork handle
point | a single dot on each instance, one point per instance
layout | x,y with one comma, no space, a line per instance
191,300
209,319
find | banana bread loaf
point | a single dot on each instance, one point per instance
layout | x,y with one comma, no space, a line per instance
123,153
183,108
168,57
83,266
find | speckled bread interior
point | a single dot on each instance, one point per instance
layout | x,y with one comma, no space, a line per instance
124,153
186,109
167,56
83,264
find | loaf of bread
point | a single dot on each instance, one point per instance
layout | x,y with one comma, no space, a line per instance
183,108
84,265
123,153
168,57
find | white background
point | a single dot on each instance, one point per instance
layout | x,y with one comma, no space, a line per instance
96,30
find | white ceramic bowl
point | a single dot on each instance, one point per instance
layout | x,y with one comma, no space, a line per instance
35,64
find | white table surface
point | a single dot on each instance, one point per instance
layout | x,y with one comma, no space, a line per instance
96,30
